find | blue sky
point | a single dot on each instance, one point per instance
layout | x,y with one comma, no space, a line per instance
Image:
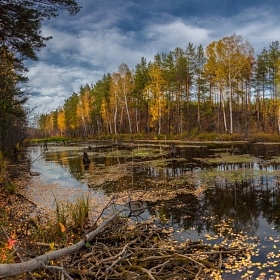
107,33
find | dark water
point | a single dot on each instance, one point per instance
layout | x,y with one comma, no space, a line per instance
244,194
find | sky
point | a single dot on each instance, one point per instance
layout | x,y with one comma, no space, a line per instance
107,33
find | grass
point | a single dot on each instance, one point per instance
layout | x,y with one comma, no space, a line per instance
49,139
193,135
60,215
79,212
227,158
69,219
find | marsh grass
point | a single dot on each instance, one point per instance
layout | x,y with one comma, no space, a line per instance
50,139
118,153
61,216
79,212
138,152
149,152
225,157
69,218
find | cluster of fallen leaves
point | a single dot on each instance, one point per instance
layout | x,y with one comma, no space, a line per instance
5,251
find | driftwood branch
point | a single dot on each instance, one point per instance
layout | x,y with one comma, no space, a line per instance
15,269
124,249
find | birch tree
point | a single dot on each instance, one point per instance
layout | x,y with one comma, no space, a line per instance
61,121
123,88
229,59
83,108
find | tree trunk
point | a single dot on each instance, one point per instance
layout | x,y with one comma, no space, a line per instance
15,269
224,113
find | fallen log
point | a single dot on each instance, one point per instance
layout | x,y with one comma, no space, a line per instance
15,269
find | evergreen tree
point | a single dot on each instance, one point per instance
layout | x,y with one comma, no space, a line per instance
140,80
21,39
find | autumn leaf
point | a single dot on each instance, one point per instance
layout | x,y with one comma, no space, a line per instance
3,255
62,227
11,243
13,235
52,246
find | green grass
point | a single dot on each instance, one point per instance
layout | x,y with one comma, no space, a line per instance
49,139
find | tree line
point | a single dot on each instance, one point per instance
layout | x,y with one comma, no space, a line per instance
222,88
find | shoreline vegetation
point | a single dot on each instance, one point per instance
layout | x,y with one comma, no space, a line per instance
212,137
118,249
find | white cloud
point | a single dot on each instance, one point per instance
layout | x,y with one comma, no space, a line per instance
260,26
86,47
51,85
175,34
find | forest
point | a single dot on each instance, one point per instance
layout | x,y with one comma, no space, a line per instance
223,88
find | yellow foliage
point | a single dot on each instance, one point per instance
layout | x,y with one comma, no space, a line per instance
155,94
52,245
61,121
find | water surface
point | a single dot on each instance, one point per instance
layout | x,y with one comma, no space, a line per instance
234,183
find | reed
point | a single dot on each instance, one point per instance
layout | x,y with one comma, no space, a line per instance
79,212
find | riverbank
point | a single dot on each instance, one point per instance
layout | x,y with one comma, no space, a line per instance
189,137
15,208
122,250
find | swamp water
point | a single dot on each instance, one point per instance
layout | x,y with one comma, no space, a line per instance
206,191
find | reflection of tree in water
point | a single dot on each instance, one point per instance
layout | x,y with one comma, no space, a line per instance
55,156
181,210
243,203
76,167
237,202
270,201
69,160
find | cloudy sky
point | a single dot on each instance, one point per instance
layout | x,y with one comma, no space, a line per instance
107,33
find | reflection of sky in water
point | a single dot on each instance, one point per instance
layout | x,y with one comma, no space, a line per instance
56,183
52,172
